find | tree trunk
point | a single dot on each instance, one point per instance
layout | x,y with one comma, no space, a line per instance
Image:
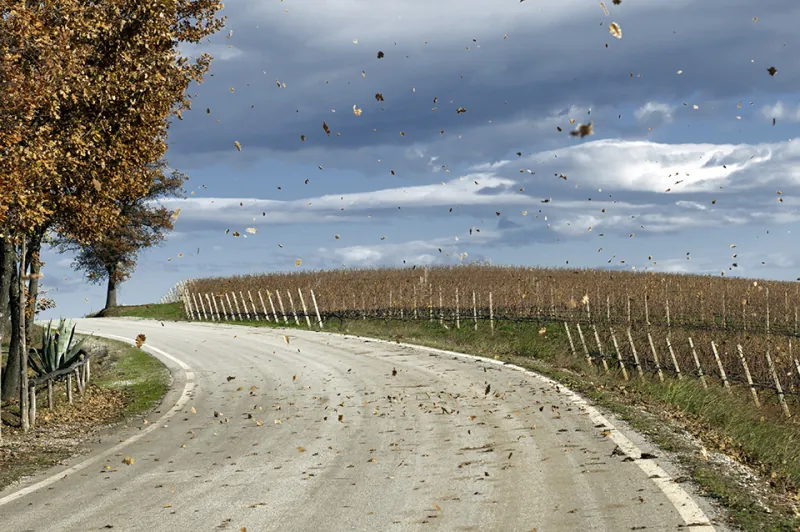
11,373
6,265
33,285
111,292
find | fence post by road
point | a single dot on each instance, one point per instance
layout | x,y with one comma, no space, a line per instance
747,375
600,348
230,306
778,387
263,306
291,304
583,343
697,364
721,368
305,310
316,308
674,359
635,354
280,304
491,313
244,304
569,336
655,356
272,306
238,311
252,304
619,354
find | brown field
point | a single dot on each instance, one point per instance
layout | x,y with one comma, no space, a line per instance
761,316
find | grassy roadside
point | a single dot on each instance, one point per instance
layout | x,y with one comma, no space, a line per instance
125,382
703,428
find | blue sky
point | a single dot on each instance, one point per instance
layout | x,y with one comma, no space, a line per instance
684,155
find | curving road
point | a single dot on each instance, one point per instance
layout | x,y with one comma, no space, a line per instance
319,434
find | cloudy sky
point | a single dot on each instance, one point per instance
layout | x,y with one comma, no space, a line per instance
692,148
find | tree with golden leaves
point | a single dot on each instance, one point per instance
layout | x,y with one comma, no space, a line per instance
87,90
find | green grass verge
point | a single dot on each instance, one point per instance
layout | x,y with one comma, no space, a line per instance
156,311
141,378
125,382
725,422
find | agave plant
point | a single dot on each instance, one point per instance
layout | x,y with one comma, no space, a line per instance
58,350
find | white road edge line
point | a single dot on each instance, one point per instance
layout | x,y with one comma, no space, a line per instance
182,400
688,509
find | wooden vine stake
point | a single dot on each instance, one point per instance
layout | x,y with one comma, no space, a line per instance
721,369
216,308
283,309
23,350
272,306
263,306
32,409
230,306
458,314
252,304
600,348
635,354
238,310
619,355
194,300
674,359
210,307
697,364
748,376
491,313
778,387
305,310
441,309
474,310
583,343
569,337
655,357
244,305
316,309
291,304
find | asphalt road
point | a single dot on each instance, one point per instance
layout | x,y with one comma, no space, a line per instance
319,434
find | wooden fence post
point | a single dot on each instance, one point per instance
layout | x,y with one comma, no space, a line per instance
210,307
230,306
415,302
202,306
305,310
187,306
252,304
474,310
238,310
69,388
697,364
778,387
635,354
458,314
655,356
244,304
619,354
280,304
747,375
32,409
216,308
721,368
263,306
491,313
600,348
441,309
583,343
569,336
674,359
291,304
316,309
50,394
272,306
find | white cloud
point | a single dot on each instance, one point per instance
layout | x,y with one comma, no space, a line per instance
663,110
645,166
779,111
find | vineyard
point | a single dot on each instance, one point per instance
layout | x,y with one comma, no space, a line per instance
735,333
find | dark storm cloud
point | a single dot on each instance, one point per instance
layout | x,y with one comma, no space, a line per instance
539,68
